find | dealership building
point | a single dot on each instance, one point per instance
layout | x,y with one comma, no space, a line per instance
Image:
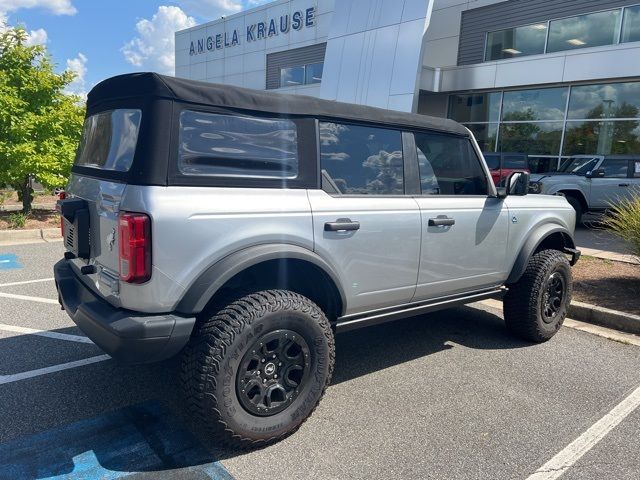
548,78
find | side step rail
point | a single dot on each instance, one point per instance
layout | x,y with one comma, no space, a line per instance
351,322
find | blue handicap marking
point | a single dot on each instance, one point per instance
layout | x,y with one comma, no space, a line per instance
141,440
9,261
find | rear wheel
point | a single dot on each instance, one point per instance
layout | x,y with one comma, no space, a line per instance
535,307
256,369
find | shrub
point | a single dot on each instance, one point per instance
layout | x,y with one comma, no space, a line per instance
17,220
624,221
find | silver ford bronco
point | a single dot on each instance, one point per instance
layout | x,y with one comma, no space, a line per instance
243,229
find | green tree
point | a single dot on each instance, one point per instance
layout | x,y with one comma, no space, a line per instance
40,125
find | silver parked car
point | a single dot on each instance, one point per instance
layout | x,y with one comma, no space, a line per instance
243,229
591,183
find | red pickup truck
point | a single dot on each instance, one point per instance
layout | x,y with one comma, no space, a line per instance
503,164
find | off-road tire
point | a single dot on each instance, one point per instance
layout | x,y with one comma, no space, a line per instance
215,353
523,303
577,206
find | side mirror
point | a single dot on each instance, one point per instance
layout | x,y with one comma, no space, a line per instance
517,184
598,173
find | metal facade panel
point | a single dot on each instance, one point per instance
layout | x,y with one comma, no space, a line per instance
292,58
478,21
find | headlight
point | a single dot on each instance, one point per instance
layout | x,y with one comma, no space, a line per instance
535,187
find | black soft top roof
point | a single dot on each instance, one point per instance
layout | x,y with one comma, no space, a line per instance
149,85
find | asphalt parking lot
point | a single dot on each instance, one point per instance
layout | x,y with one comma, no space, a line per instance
449,395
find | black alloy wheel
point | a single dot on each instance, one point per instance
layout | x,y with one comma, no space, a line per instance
272,372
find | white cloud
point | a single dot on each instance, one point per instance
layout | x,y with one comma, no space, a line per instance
57,7
37,37
211,9
78,65
153,47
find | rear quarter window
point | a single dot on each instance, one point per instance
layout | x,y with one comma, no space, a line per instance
109,140
220,145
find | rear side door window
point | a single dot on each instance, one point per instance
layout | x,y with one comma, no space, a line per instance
361,160
449,166
615,168
219,145
636,169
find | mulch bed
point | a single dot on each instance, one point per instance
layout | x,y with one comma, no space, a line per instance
608,284
36,219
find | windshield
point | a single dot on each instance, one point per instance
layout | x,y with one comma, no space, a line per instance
109,140
579,165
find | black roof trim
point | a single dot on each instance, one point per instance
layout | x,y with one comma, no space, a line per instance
151,85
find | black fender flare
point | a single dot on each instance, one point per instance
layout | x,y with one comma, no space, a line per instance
532,243
215,276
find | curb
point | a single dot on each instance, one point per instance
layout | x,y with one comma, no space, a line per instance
34,235
605,317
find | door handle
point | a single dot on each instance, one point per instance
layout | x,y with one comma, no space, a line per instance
342,224
623,184
441,222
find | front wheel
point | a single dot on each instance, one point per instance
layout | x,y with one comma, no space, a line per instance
536,305
257,368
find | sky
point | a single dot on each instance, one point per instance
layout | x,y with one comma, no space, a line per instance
98,39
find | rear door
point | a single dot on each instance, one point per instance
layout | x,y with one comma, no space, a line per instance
362,219
464,230
106,152
614,186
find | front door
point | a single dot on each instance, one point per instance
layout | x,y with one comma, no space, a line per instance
614,186
362,220
464,230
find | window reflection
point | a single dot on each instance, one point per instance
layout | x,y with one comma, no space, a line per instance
540,138
614,100
362,160
514,42
538,104
485,134
603,138
477,107
591,30
291,76
631,24
313,73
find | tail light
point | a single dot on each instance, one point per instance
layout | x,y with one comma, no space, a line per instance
135,247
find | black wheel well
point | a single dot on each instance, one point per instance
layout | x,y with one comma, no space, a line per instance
555,241
296,275
578,195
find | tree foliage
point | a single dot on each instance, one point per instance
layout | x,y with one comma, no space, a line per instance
40,125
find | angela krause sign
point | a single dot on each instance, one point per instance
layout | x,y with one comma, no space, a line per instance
281,25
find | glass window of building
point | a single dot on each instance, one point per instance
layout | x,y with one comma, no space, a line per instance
539,138
602,138
486,135
313,73
612,100
515,42
291,76
538,104
631,25
477,107
590,30
362,160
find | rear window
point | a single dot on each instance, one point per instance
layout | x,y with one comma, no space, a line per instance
515,161
493,160
234,146
109,140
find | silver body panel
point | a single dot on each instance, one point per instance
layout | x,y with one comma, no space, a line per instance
394,258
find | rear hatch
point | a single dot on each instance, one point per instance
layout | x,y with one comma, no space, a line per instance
92,205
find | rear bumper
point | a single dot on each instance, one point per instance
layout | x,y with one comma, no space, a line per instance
128,336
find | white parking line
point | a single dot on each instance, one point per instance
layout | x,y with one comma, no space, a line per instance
559,464
44,333
31,299
54,368
26,282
